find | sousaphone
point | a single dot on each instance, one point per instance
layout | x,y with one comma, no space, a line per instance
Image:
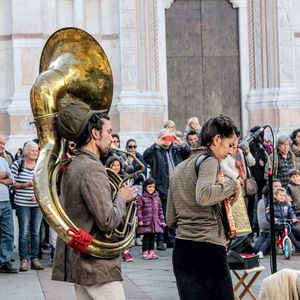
73,66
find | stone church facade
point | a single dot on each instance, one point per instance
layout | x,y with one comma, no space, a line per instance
262,86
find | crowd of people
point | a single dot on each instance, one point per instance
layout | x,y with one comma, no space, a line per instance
172,202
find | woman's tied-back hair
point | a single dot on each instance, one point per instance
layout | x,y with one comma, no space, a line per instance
147,182
96,121
222,125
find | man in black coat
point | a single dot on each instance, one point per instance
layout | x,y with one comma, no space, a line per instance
261,159
162,157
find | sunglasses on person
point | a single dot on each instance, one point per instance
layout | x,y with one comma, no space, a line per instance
116,141
132,146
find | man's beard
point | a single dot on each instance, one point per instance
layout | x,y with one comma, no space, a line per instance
104,152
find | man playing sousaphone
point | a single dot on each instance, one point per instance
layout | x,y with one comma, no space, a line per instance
86,198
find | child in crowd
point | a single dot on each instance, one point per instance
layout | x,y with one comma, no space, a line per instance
282,210
114,162
293,190
169,124
192,125
264,225
150,217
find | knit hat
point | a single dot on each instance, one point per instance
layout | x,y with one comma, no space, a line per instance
72,120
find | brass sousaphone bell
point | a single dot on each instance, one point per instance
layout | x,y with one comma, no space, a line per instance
73,66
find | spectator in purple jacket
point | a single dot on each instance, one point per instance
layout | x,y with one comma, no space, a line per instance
150,217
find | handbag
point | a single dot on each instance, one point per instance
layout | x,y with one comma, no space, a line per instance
250,184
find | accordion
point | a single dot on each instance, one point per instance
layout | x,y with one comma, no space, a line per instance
237,217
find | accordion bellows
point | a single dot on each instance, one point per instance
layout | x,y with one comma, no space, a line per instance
237,217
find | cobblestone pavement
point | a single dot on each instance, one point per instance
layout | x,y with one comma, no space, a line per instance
143,280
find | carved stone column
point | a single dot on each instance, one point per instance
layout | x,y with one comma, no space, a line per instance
6,74
26,38
274,97
138,109
161,52
244,40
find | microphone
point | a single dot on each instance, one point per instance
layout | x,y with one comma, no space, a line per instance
244,145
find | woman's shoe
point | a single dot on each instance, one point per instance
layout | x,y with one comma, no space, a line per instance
149,256
127,257
145,254
153,255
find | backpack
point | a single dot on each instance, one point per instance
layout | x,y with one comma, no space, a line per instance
12,192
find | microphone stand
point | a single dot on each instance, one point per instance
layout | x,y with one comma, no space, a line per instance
272,216
272,223
271,200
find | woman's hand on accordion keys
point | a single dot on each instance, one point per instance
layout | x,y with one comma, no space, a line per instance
241,180
235,196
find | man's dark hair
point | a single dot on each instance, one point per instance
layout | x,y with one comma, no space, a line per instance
115,135
96,121
222,125
192,132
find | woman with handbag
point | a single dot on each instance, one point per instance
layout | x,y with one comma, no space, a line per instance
27,209
236,166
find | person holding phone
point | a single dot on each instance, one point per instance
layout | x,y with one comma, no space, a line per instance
162,157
